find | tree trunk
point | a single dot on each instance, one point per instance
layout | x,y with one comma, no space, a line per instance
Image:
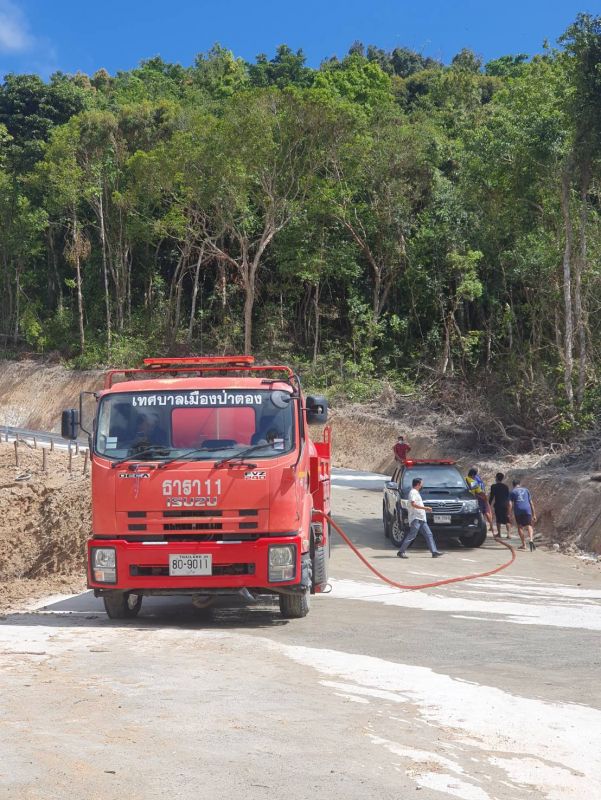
77,264
194,295
446,349
580,268
249,302
376,303
567,287
105,274
17,301
317,309
175,295
54,262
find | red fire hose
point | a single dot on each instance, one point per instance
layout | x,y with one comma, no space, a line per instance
396,585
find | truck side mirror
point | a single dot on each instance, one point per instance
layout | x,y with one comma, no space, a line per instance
317,409
70,424
392,485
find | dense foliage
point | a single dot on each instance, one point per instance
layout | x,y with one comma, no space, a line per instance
383,215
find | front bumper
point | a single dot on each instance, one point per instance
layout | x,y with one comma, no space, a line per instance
461,525
144,565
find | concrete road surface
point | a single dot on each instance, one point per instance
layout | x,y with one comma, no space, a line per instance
486,690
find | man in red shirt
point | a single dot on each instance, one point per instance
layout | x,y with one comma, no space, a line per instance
401,450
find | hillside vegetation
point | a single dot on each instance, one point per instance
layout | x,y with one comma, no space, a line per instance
381,217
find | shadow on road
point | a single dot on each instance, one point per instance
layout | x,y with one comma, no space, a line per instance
85,610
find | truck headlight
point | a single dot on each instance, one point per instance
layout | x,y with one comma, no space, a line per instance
470,506
104,564
282,562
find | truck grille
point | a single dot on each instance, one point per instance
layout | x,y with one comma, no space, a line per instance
184,519
193,526
445,506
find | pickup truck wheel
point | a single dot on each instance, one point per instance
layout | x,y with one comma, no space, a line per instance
295,606
386,521
396,531
476,540
122,605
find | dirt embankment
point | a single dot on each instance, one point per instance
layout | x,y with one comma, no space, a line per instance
44,524
32,395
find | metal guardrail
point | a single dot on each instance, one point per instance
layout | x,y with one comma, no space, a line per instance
10,433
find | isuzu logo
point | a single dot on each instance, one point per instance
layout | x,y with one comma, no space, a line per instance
191,502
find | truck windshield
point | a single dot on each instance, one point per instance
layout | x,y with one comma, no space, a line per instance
434,477
215,424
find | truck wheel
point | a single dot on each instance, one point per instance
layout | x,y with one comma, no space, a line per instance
122,605
319,567
476,540
386,521
396,531
295,606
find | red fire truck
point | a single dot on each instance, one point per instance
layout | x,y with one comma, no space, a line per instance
206,482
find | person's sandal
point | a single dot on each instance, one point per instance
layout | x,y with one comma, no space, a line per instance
521,547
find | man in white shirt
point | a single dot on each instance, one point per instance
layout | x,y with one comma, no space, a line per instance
417,522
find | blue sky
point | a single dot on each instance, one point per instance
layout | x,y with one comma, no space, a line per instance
71,35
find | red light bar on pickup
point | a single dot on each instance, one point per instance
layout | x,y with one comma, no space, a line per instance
200,361
409,462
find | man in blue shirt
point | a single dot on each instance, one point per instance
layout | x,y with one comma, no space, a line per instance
524,513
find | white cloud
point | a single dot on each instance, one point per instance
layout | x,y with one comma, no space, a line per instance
14,29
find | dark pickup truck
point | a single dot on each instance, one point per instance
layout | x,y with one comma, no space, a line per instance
454,514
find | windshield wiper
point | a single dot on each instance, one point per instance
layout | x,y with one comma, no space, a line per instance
241,456
147,450
191,453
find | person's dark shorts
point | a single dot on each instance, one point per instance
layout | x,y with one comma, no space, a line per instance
483,503
501,515
523,519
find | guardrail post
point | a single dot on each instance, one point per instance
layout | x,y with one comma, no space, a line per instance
16,453
35,442
44,451
70,458
85,461
51,445
76,448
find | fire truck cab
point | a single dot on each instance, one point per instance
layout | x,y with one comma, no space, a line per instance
206,482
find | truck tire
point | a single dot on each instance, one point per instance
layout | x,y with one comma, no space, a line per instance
320,567
122,605
475,540
386,521
295,606
396,531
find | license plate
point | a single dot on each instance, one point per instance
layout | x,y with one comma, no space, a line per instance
442,519
190,564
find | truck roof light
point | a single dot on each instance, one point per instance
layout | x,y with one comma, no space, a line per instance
201,361
166,367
